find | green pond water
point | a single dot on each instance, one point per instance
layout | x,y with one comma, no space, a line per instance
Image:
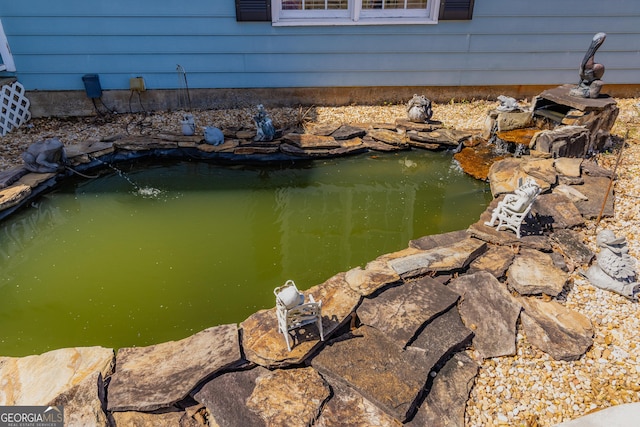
94,263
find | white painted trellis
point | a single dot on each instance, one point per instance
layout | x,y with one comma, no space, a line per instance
15,107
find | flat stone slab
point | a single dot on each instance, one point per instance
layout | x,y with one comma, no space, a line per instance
289,397
142,143
264,345
534,272
226,398
158,376
347,407
557,211
570,244
490,311
40,379
375,275
433,241
443,336
595,188
496,260
306,140
562,333
447,400
456,256
348,132
377,368
388,137
11,196
399,312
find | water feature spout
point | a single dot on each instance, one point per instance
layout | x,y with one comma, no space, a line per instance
145,192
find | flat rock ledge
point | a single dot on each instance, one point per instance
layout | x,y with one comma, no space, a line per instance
403,334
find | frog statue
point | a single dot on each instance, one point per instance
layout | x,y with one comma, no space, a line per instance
45,156
419,109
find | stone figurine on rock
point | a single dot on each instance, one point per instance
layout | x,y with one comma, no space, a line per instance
45,156
590,72
614,269
419,109
265,131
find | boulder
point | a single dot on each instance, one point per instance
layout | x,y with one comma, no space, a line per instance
562,333
490,311
158,376
533,273
564,141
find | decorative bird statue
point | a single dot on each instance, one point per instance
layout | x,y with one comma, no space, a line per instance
614,268
590,72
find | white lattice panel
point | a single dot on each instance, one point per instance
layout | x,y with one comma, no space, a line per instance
15,107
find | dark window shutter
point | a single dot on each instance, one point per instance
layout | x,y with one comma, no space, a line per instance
253,10
452,10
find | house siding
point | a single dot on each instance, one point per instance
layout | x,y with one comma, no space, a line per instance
506,43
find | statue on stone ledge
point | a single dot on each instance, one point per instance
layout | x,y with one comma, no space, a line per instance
590,72
419,109
265,131
45,156
614,269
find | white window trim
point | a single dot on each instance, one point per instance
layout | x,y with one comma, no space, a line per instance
5,52
353,16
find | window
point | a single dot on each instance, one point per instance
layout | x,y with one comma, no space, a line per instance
354,12
6,62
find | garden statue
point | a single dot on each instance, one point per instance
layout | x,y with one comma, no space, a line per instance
45,156
590,72
614,269
419,109
514,208
264,126
508,104
188,125
213,135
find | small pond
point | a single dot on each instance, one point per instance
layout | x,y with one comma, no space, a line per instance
93,263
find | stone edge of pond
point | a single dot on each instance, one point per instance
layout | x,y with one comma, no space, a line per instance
189,390
19,186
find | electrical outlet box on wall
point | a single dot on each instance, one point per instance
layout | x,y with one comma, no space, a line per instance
137,84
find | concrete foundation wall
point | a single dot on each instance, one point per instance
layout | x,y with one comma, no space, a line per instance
76,103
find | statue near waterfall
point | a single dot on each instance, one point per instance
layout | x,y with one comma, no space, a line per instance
590,72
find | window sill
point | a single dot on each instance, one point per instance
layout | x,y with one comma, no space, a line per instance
343,22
